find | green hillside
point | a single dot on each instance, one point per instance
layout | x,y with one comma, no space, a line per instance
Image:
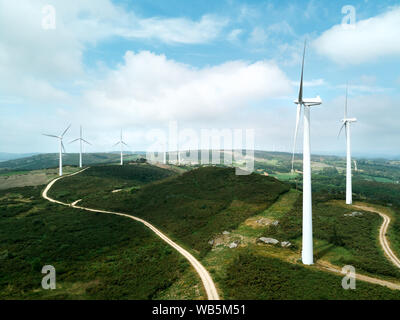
197,206
50,160
205,210
255,277
96,256
100,181
191,207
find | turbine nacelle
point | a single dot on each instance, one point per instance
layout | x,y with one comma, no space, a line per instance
349,120
310,102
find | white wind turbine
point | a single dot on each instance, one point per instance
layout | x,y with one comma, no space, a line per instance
80,139
60,138
347,125
121,143
307,251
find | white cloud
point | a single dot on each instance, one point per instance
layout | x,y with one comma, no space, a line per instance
149,88
176,30
258,36
312,83
38,62
369,40
234,35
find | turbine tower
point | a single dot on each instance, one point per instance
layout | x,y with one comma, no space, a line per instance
62,149
307,251
80,139
121,143
347,125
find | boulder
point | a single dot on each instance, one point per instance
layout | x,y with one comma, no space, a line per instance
285,244
353,214
275,223
233,245
226,233
268,240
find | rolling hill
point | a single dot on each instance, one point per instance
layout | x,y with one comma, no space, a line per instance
96,256
50,160
209,208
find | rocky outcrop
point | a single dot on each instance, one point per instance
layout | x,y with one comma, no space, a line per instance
268,240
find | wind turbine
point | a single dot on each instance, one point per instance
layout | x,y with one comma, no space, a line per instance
307,252
121,143
80,139
62,149
347,125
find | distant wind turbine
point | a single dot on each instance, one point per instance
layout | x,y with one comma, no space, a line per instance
307,252
80,139
121,143
62,149
347,125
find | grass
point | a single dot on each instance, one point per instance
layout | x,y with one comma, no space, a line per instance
339,239
13,179
96,256
194,206
254,277
102,180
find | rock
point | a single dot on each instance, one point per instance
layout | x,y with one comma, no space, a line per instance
211,242
263,221
233,245
226,233
354,214
268,240
285,244
275,223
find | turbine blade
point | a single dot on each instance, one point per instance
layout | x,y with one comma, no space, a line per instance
341,129
74,140
62,146
296,133
65,131
302,74
50,135
124,143
117,143
86,141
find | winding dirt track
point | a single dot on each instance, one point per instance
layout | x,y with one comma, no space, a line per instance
382,234
385,246
205,277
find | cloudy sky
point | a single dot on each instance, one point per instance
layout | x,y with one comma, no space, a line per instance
137,65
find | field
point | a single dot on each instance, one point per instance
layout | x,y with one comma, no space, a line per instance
191,207
96,256
216,215
50,160
251,276
14,179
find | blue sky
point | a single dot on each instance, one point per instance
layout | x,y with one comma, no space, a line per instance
205,64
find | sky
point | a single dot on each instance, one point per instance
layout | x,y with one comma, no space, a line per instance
139,65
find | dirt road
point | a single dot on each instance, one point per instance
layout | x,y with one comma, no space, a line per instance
205,277
382,234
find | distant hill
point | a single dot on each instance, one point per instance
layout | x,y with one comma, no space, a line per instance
5,156
50,160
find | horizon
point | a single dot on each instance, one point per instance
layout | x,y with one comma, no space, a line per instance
355,156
